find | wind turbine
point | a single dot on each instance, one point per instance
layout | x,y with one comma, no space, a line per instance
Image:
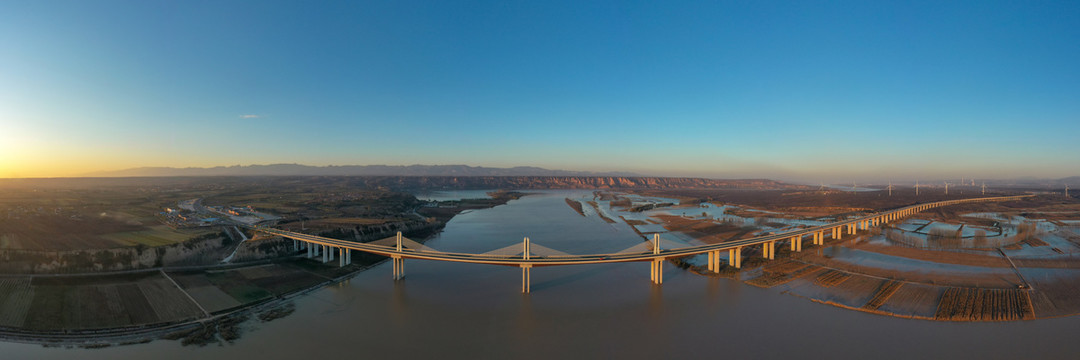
890,188
946,187
822,188
1066,190
984,188
916,187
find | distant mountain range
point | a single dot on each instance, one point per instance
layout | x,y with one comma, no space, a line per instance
348,170
1035,182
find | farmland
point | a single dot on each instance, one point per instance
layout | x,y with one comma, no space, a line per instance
93,302
983,262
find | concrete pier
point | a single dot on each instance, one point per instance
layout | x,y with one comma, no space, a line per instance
526,278
399,267
735,257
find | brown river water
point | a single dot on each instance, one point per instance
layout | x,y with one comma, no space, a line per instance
450,310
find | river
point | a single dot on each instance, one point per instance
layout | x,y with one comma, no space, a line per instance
456,310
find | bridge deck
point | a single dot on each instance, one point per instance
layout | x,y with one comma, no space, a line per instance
550,260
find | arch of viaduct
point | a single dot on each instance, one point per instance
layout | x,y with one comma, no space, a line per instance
399,249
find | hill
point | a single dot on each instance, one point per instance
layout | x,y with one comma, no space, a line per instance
347,170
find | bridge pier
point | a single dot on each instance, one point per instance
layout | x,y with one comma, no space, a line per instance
710,256
330,251
310,253
772,250
657,269
735,257
325,256
526,278
348,257
399,267
341,257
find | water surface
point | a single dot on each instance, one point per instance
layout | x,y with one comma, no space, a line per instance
446,310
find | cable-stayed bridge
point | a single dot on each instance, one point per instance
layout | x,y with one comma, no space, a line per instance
527,255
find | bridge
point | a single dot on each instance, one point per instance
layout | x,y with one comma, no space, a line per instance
527,255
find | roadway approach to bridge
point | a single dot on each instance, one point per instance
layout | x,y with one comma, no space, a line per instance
527,255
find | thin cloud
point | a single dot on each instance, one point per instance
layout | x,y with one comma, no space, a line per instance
249,116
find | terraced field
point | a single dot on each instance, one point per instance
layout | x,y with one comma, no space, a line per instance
15,297
93,302
968,304
220,290
882,295
831,278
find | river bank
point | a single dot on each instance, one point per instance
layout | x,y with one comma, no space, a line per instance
195,305
867,272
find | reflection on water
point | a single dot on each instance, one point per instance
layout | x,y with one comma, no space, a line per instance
454,310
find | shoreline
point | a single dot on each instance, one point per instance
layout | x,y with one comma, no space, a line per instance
152,332
179,330
904,282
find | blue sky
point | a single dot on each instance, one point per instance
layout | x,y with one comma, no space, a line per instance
802,90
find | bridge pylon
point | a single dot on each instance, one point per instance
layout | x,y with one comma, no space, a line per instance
526,269
656,266
399,262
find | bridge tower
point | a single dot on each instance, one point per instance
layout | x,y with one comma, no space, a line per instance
657,265
399,262
526,269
